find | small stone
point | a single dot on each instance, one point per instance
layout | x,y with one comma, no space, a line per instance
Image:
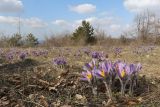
74,86
140,99
104,103
56,104
4,98
31,96
79,97
153,82
52,89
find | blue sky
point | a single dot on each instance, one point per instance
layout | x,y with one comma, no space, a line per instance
54,9
47,17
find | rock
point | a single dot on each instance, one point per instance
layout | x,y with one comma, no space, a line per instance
74,86
153,82
31,96
56,104
106,104
140,99
4,101
52,89
79,97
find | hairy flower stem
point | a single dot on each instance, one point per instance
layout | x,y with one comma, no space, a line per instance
131,88
108,89
94,91
122,88
133,83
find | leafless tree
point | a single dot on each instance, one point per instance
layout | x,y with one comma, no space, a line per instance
147,25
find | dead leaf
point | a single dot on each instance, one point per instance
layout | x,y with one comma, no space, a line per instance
43,101
43,83
132,103
4,101
52,89
140,99
31,96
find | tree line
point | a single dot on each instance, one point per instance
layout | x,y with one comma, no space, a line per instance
17,40
146,30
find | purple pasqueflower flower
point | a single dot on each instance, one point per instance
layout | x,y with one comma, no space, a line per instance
95,55
134,68
90,77
43,53
120,69
22,55
9,56
90,66
107,66
138,67
59,61
35,53
98,55
118,51
123,69
129,69
101,73
87,76
104,69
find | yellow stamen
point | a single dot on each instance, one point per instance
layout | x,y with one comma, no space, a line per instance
123,73
89,76
102,73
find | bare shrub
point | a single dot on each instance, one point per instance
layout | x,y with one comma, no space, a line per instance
58,41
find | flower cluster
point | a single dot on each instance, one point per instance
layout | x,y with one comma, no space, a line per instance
39,53
98,55
86,51
15,54
60,61
23,55
117,51
108,72
141,50
9,56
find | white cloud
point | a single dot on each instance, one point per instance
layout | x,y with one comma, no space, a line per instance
83,8
34,22
115,27
60,22
141,5
29,22
77,23
109,24
10,6
9,20
99,21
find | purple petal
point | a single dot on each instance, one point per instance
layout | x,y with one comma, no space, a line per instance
138,67
128,70
83,79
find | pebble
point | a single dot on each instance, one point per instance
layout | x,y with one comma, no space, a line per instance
79,97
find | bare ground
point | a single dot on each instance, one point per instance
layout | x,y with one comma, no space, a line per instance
36,83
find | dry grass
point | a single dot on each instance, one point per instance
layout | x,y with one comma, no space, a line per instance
36,82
